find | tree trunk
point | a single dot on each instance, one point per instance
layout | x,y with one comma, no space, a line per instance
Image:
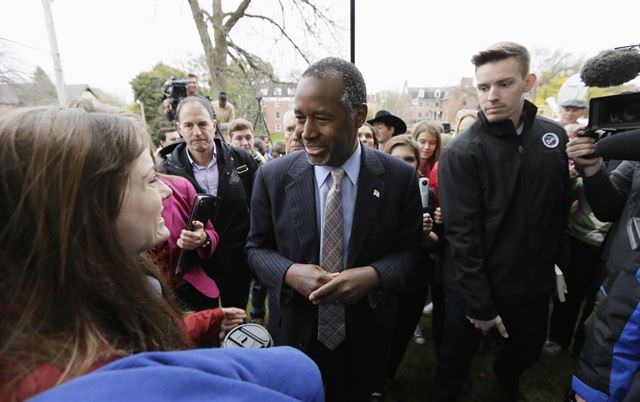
216,57
220,65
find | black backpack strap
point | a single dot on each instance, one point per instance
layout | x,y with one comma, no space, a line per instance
245,167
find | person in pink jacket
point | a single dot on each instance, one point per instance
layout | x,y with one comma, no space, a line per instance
193,287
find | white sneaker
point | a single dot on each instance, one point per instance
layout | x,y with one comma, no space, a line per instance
428,309
417,336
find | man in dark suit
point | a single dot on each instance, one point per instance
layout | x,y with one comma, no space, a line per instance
335,234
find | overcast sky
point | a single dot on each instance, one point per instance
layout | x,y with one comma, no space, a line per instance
107,43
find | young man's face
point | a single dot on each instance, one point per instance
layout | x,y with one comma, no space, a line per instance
501,89
170,138
243,139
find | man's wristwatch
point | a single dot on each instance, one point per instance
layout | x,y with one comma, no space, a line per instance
206,243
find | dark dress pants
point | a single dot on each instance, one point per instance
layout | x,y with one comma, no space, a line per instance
232,275
583,277
526,324
190,298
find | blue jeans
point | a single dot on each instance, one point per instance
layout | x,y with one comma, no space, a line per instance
258,297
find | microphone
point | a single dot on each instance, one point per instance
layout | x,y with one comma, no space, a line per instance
611,67
624,146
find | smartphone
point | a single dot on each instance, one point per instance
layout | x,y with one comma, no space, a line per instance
423,182
201,210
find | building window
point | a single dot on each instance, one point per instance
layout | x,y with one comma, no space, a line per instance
419,114
437,104
277,115
291,91
278,91
421,93
277,128
437,94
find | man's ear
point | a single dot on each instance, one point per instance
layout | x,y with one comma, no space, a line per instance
361,115
529,82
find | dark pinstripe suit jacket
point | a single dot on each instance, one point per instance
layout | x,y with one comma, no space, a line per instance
385,234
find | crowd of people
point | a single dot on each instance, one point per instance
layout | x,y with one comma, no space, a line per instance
110,286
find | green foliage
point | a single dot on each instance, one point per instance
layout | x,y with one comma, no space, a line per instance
148,88
550,88
594,92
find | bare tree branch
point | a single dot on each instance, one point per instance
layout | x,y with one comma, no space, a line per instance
235,17
214,28
254,62
201,25
282,31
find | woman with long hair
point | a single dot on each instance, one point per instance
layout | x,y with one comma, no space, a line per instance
80,203
427,135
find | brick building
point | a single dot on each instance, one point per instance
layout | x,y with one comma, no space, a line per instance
441,103
276,100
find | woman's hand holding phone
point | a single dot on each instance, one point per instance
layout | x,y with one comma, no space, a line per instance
192,239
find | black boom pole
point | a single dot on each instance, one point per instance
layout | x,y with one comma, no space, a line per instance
353,31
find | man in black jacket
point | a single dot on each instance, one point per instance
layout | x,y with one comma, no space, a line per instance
215,168
503,187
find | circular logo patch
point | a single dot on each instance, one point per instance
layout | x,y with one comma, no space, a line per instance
550,140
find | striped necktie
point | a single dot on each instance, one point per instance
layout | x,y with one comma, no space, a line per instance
331,322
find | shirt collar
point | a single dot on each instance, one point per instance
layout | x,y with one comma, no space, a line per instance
195,164
351,168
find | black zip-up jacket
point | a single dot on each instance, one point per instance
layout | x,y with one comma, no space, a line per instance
236,169
504,200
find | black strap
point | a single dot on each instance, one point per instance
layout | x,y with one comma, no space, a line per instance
243,170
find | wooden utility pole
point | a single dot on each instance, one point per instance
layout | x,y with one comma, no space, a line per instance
53,47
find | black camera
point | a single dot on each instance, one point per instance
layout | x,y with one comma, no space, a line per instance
609,115
176,90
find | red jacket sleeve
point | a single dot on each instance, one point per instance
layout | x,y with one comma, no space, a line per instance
433,182
203,327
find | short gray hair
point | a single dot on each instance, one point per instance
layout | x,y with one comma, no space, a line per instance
355,90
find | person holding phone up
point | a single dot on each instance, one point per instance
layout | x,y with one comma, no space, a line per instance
194,289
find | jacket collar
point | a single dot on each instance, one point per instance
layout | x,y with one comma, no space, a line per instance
506,128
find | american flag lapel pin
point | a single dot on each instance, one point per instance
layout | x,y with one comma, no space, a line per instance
376,193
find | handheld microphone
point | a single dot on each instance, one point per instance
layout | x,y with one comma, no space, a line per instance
611,67
624,146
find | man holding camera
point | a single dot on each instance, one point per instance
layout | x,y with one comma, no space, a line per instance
192,90
613,197
609,366
503,187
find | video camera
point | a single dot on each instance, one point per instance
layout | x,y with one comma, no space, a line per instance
176,90
609,115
